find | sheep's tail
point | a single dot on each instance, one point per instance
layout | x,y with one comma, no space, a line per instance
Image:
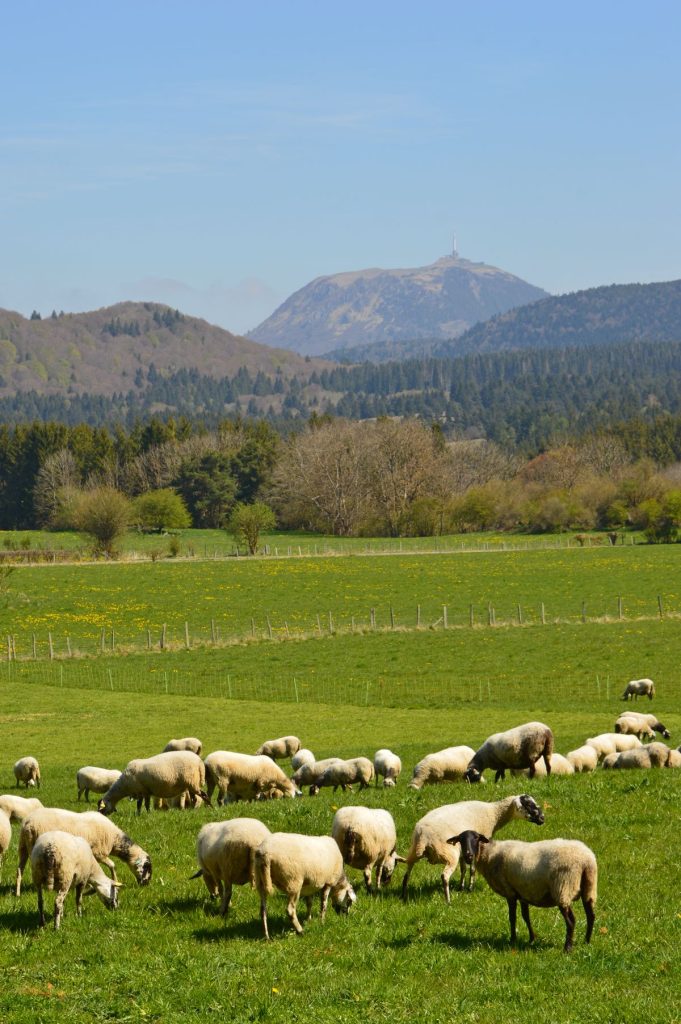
588,888
251,866
263,873
652,691
350,843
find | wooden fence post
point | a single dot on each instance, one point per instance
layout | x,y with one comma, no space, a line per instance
445,619
164,634
619,607
186,635
543,614
373,619
659,606
49,643
471,615
418,616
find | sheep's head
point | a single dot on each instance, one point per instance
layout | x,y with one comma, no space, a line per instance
528,808
659,727
105,808
470,842
472,774
343,896
389,865
141,867
388,782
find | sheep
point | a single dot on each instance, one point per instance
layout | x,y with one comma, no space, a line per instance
655,755
639,688
674,759
96,780
448,765
27,770
612,743
432,831
628,722
5,836
345,774
186,743
309,774
584,758
367,838
19,807
246,776
104,837
551,873
387,765
298,866
225,851
304,756
559,766
164,775
517,748
285,746
59,861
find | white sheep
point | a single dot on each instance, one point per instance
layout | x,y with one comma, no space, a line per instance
674,759
308,774
432,831
303,756
367,838
5,836
345,774
246,776
285,746
635,723
639,688
388,766
19,807
96,780
104,837
516,748
225,851
59,861
550,873
448,765
27,770
559,766
164,775
186,743
584,758
654,755
612,743
300,865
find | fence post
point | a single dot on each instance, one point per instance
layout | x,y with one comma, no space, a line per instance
520,616
252,626
212,630
392,617
445,619
110,678
319,624
35,648
659,606
543,614
619,607
330,623
68,646
295,687
471,615
583,611
163,637
186,635
418,616
373,623
113,639
269,627
102,642
148,639
49,643
9,648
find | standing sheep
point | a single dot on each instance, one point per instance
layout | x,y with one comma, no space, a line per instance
5,837
164,775
304,756
186,743
552,873
300,865
278,750
636,724
96,780
431,833
59,861
27,770
367,838
309,774
345,774
584,758
246,776
19,807
387,765
516,748
448,765
639,688
225,851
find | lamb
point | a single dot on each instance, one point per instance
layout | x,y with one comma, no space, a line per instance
164,775
612,743
97,780
304,756
654,755
345,774
59,861
285,746
27,770
19,807
367,839
448,765
246,776
559,766
639,688
309,774
104,837
552,873
225,851
584,758
640,725
298,866
517,748
186,743
431,833
387,765
5,836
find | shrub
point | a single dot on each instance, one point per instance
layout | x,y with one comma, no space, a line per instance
247,522
104,514
161,510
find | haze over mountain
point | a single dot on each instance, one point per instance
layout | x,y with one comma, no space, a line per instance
364,307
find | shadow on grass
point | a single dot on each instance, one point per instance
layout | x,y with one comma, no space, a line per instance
503,945
235,930
21,920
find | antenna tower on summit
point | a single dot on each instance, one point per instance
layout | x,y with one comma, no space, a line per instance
455,251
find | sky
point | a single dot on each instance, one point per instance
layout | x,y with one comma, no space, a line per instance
217,156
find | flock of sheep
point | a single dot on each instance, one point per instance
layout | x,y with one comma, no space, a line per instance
67,849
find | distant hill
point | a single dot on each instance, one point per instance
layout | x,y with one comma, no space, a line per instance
123,347
597,316
366,307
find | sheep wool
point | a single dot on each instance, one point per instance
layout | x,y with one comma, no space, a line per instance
516,748
584,758
387,766
246,777
225,851
186,743
448,765
95,780
61,861
164,776
27,770
19,807
278,750
367,839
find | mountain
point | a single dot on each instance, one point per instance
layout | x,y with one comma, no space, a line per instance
365,307
113,349
596,316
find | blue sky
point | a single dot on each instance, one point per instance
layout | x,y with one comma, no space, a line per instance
218,158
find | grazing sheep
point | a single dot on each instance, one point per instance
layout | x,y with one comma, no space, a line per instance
285,746
448,765
304,756
246,777
551,873
164,775
225,851
517,748
639,688
186,743
431,833
345,774
298,866
60,861
584,758
655,755
309,774
674,759
27,770
19,807
367,838
559,766
96,780
635,723
387,765
104,837
612,743
5,836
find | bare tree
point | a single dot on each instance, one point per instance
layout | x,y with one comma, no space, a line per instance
475,463
57,476
402,464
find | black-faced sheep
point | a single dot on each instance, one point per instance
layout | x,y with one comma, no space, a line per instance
637,724
164,776
516,748
59,861
639,688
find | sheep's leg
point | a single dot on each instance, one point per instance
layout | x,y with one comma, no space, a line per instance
226,899
325,900
291,911
308,904
147,803
512,912
446,875
532,771
79,899
471,878
23,857
111,866
462,883
590,917
139,804
41,908
569,916
367,876
263,913
500,774
405,880
58,909
525,911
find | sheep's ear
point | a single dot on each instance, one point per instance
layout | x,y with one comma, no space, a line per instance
116,885
400,860
482,839
454,840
